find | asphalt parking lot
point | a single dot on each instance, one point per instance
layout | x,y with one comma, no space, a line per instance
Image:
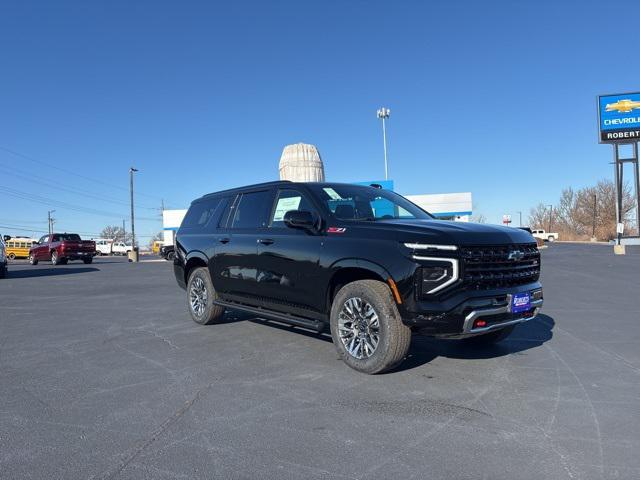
103,375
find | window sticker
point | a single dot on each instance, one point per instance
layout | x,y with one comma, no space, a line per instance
332,193
285,205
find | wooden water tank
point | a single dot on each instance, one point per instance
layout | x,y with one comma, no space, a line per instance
301,162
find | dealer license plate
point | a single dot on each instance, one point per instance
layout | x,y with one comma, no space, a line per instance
521,302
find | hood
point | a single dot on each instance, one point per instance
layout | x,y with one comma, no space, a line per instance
453,233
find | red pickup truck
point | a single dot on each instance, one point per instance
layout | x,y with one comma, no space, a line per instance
62,247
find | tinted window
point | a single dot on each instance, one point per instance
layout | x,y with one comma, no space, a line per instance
353,202
66,237
251,210
201,213
288,200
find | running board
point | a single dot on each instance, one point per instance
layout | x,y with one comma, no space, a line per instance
316,325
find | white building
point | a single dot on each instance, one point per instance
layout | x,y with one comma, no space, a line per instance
446,206
171,220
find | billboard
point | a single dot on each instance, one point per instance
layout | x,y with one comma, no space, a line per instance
619,118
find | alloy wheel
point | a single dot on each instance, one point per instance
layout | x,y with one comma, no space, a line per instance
198,296
359,328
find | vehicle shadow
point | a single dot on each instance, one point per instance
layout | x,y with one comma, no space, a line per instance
425,349
47,272
525,337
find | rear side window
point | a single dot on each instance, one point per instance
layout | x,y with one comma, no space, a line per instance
252,210
202,213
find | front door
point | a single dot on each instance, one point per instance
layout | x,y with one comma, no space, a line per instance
233,270
288,259
41,250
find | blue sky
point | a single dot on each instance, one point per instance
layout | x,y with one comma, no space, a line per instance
496,98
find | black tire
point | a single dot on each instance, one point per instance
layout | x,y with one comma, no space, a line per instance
491,337
201,295
11,256
55,260
551,239
32,259
394,337
63,261
87,261
171,256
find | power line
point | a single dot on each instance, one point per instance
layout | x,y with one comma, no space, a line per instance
57,203
69,172
73,190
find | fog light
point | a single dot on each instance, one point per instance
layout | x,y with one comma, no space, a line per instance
479,323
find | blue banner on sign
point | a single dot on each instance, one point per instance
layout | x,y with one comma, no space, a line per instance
619,111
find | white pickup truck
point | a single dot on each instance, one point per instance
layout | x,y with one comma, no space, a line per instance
119,248
546,236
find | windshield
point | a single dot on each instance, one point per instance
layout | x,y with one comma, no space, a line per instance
354,202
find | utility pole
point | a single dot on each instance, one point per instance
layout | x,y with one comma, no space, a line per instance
595,207
124,233
520,219
132,170
383,114
50,221
550,217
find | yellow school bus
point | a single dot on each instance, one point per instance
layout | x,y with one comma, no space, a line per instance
156,246
19,247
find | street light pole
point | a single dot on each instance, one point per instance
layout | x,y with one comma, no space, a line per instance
550,217
383,114
520,219
132,170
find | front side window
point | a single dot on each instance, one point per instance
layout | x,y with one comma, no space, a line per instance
288,200
44,239
354,202
252,210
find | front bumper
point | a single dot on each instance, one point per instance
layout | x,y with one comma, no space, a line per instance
494,311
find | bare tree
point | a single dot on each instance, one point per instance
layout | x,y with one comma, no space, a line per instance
480,218
539,217
578,212
116,233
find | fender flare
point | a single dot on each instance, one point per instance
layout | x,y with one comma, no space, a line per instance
196,254
359,263
335,267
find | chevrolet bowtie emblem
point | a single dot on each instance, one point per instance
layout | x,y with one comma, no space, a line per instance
622,106
515,255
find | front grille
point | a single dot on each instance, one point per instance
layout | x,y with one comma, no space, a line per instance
488,267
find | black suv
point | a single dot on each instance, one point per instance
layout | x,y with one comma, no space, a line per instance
364,261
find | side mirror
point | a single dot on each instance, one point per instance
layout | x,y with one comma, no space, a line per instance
7,238
300,219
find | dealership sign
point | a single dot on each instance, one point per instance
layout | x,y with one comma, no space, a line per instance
619,117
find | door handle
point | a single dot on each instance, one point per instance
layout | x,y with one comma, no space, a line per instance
224,240
265,241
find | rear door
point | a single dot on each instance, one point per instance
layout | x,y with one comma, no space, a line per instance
234,264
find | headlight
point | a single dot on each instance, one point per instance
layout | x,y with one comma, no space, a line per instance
429,246
436,273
